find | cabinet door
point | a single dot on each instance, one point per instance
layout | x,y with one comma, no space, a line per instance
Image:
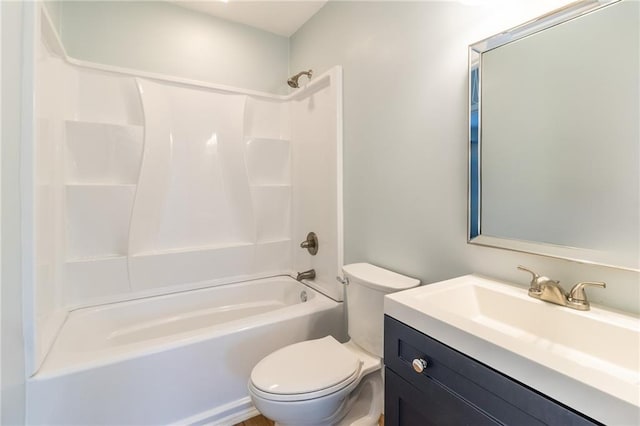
489,391
405,405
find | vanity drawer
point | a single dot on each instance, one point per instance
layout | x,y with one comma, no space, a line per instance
496,395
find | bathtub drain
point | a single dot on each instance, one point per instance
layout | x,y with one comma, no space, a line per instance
303,296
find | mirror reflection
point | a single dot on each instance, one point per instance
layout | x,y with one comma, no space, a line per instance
554,136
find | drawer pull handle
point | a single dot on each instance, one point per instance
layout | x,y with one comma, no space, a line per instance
419,365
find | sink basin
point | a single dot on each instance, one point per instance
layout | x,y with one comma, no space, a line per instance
589,360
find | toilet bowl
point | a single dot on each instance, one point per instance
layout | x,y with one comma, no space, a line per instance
312,382
324,382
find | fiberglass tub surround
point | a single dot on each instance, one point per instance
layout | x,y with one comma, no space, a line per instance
202,190
197,210
148,186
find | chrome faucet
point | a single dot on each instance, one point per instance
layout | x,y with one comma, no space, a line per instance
549,290
306,275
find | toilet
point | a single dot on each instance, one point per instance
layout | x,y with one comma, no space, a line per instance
324,382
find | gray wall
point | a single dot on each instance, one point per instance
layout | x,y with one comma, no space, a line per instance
405,138
163,38
12,382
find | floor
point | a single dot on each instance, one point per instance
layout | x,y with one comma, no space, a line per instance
263,421
256,421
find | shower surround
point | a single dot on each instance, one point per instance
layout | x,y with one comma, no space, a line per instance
149,185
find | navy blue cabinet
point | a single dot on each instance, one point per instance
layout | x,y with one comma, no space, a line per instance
454,389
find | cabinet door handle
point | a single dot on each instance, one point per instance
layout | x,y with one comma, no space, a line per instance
419,365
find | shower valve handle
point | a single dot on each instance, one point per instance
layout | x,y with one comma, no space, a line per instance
311,243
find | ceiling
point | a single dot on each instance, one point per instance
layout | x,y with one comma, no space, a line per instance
279,17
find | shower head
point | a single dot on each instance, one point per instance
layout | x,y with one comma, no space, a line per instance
293,81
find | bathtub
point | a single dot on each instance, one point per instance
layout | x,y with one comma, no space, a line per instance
182,358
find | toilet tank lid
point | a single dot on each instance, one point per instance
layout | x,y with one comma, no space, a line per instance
379,278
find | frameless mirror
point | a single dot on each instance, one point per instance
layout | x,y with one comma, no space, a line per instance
555,136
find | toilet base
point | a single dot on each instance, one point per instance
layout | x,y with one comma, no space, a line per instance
368,405
363,406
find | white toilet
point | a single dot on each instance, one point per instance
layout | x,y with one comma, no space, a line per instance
324,382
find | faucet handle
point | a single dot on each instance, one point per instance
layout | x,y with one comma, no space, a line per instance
535,280
311,243
538,281
578,298
534,275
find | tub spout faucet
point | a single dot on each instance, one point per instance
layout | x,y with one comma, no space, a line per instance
306,275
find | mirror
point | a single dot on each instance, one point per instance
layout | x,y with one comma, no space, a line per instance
554,136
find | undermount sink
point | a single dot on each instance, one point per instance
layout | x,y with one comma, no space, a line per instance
589,360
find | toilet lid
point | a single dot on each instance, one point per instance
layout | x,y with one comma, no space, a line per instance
306,367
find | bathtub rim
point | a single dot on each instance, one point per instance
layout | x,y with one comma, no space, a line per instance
320,302
197,286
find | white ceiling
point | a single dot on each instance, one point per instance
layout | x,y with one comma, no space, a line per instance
279,17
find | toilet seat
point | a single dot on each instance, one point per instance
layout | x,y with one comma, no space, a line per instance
305,370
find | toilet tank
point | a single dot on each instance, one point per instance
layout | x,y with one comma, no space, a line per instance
368,284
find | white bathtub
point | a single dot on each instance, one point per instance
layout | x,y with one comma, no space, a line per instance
182,358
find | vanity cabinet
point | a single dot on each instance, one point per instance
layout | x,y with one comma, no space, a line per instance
454,389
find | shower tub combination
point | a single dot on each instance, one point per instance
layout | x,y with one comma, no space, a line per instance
169,215
182,358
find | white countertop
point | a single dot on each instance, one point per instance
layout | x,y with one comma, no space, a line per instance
598,378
